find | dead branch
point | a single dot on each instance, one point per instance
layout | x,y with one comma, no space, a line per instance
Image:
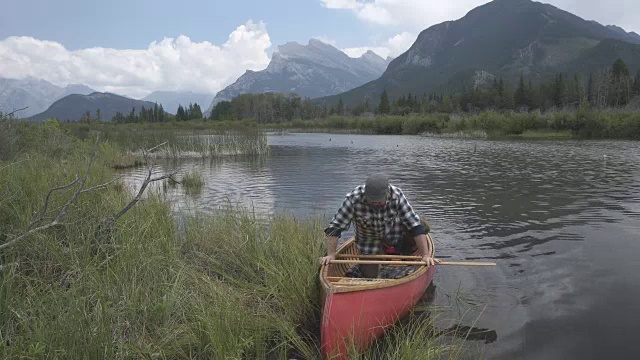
32,231
101,186
14,163
154,148
39,216
58,219
73,198
148,180
15,111
79,184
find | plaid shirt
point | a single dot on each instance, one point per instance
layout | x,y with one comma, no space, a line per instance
375,225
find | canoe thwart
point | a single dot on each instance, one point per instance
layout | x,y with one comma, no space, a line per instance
408,263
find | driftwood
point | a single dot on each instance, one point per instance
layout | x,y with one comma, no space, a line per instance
148,180
38,222
15,111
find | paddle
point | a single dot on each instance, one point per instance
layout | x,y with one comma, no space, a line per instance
391,262
405,257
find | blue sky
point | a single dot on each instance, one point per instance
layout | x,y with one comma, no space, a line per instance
134,24
134,47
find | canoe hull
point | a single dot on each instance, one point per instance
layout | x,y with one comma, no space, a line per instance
353,320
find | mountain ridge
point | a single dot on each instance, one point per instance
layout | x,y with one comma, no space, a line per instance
312,70
73,107
541,40
171,99
36,94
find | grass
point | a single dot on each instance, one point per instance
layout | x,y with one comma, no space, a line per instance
126,161
184,140
200,138
191,145
225,286
545,134
228,287
583,123
193,181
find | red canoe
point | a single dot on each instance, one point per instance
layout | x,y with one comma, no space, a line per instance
357,311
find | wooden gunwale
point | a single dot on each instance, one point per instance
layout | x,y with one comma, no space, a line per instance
348,250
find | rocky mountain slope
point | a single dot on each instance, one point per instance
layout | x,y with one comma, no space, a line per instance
35,94
73,107
504,38
312,70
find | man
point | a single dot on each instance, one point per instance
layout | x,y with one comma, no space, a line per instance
382,216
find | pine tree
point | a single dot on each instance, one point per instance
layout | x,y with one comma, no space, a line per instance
161,117
636,84
532,98
180,114
86,117
143,114
189,112
340,107
155,113
521,94
560,93
98,116
384,107
132,116
576,91
590,92
620,68
501,88
197,111
621,84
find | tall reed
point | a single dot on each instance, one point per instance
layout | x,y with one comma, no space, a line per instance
190,144
229,285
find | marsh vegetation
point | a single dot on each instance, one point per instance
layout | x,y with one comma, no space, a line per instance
78,280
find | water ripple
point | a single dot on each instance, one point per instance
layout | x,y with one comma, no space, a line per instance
549,212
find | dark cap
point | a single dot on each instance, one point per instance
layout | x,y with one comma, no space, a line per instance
376,188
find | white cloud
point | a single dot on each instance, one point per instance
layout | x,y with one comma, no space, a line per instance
393,47
418,15
411,16
171,64
400,43
326,40
340,4
356,52
408,14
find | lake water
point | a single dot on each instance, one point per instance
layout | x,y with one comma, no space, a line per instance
561,219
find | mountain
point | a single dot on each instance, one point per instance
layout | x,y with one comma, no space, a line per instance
36,94
633,36
503,38
73,107
171,99
312,70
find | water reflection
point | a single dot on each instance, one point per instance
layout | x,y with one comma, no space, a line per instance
470,333
561,220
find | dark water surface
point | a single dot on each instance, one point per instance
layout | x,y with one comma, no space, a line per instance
561,219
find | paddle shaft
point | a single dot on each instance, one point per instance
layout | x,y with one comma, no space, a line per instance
403,257
381,262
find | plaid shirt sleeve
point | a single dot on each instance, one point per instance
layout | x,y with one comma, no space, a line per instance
342,219
409,217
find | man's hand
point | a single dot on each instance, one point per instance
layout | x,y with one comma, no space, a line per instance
327,259
430,261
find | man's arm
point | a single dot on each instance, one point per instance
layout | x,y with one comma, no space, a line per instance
332,246
412,221
340,222
425,249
